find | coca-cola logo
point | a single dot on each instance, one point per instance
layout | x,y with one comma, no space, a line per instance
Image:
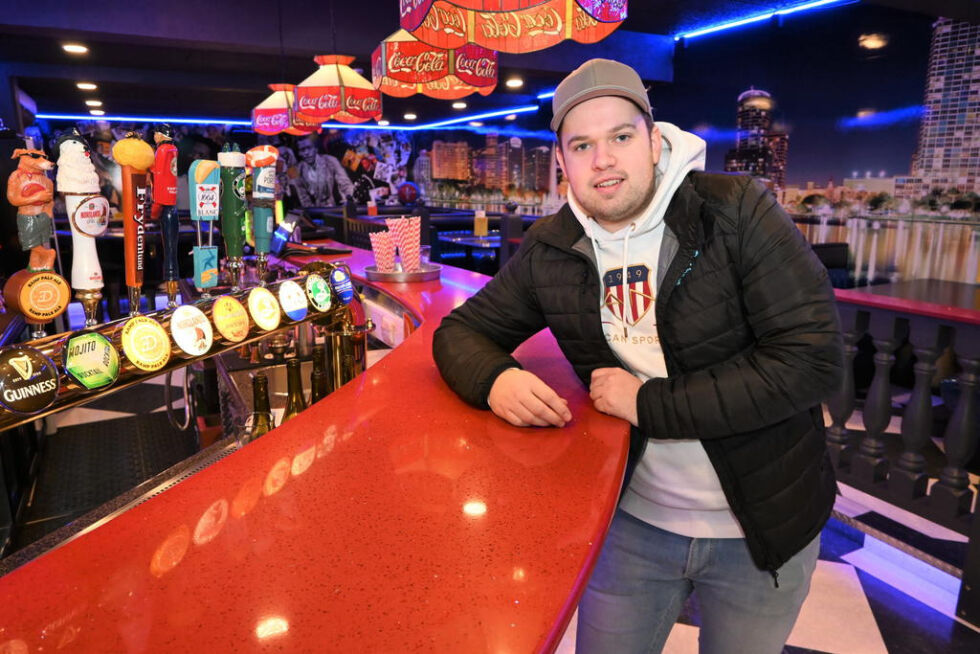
322,102
583,21
430,61
478,66
278,121
450,20
366,104
502,25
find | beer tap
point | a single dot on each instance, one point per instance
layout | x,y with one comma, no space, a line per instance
262,160
135,156
88,217
164,174
232,163
204,179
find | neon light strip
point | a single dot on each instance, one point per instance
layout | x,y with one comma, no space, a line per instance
222,121
761,17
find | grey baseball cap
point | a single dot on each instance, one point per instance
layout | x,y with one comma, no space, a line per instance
593,79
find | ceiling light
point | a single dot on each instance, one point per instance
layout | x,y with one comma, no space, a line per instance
93,103
515,83
409,116
865,113
873,41
459,105
96,112
383,123
510,117
475,123
86,86
74,48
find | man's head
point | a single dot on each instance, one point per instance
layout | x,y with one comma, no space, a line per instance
608,146
306,149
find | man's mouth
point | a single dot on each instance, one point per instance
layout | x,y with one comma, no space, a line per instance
609,183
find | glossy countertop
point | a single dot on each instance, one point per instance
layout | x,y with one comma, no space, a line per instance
933,298
389,517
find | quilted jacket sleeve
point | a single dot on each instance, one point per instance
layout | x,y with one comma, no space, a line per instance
797,360
473,344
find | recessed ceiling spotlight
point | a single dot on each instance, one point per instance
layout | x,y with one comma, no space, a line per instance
873,41
96,112
515,83
409,116
459,105
86,86
475,123
510,117
74,48
93,103
383,123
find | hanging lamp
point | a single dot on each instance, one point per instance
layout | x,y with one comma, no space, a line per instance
402,65
336,92
274,114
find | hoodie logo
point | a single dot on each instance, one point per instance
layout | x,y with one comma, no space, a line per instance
636,291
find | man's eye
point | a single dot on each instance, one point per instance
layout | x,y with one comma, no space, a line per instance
581,147
622,138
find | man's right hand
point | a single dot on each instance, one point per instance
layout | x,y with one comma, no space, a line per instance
523,400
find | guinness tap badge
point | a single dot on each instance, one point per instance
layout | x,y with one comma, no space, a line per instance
293,300
145,343
90,360
28,380
264,308
318,292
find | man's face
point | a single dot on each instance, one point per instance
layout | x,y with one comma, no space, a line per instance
609,159
307,151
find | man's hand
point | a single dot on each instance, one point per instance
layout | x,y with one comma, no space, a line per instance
613,391
523,400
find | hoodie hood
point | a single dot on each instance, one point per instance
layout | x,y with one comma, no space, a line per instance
682,152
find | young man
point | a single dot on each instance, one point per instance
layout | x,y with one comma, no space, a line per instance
694,309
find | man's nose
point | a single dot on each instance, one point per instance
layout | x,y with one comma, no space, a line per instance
602,157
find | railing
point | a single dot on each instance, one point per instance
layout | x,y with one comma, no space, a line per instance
932,316
894,248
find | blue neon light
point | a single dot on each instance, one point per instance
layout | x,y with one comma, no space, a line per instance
883,119
817,4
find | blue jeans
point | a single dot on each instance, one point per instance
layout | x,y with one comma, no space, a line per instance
645,574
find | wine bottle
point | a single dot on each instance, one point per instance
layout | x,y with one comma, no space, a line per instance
261,412
318,378
294,391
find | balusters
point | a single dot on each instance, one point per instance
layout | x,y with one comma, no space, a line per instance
908,479
869,464
951,495
841,405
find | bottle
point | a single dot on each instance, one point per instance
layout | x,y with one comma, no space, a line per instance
294,391
261,413
318,379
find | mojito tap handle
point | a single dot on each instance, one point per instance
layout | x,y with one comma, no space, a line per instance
135,156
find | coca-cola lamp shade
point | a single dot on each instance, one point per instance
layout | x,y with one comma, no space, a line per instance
402,66
512,26
336,92
275,114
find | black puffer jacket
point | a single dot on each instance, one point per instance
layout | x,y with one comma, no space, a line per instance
750,334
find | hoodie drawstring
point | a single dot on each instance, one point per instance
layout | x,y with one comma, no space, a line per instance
627,310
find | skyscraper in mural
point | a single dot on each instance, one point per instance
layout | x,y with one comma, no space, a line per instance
759,151
451,160
948,151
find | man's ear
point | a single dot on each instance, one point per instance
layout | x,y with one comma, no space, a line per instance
656,144
559,156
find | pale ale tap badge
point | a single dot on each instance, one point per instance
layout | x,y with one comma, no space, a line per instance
204,180
136,157
232,163
164,209
90,360
230,319
28,380
145,343
191,330
262,160
39,293
264,308
88,218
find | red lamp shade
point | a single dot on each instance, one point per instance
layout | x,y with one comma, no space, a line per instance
402,66
512,26
336,92
274,114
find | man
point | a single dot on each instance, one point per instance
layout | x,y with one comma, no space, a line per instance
319,176
694,309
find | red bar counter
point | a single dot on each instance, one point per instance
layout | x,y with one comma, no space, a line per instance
389,517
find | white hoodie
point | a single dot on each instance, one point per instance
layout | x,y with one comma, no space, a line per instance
674,486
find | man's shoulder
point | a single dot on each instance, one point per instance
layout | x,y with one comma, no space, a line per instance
720,188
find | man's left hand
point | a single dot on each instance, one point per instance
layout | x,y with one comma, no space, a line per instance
613,391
